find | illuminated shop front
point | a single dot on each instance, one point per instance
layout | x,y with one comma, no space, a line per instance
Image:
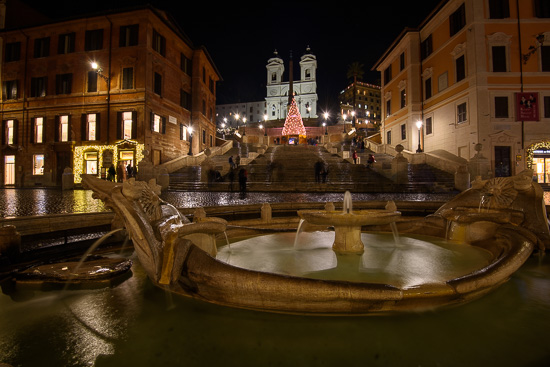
96,159
539,156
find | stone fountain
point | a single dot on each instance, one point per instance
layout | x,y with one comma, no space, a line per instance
180,256
347,223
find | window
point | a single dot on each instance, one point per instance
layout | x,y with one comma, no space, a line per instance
13,51
37,130
387,74
204,136
90,126
65,44
402,61
428,88
127,125
128,78
42,47
546,107
388,107
159,43
428,126
39,86
129,35
545,58
403,132
403,98
63,128
460,66
426,47
388,137
185,64
157,84
461,113
501,107
158,123
498,54
183,132
38,164
10,132
542,8
90,159
92,81
63,83
185,99
457,20
499,9
93,40
10,89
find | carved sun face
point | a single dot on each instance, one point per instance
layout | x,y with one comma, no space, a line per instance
498,192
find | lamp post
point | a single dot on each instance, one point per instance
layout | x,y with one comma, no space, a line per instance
107,79
344,119
190,131
419,126
244,126
265,121
223,130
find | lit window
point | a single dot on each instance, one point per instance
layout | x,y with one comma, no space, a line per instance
127,125
38,130
92,126
156,123
10,131
64,128
38,164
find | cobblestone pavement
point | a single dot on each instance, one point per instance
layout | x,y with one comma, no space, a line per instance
40,201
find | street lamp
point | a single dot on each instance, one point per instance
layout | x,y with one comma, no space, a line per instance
419,126
244,126
99,71
190,131
265,121
344,118
223,129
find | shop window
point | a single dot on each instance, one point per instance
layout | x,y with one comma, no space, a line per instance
38,164
90,161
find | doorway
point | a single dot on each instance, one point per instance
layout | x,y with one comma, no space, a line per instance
503,166
9,170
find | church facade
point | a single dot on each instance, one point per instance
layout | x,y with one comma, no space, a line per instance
304,89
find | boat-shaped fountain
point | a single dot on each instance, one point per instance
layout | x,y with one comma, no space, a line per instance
180,255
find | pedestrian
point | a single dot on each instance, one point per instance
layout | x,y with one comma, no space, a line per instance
111,173
231,175
354,157
231,164
238,161
324,173
318,170
370,161
129,170
242,180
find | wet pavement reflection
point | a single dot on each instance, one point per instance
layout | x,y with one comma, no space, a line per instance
39,201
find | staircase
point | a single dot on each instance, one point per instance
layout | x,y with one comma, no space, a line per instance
287,168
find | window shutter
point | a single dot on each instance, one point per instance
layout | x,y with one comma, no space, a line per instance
164,125
83,127
134,124
33,128
98,126
119,125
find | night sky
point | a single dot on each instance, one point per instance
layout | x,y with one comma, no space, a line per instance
241,38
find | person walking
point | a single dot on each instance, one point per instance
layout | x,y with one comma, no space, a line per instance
242,180
238,161
111,173
318,170
354,156
231,164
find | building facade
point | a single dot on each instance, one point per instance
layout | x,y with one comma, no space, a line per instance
463,80
304,88
232,114
365,106
96,91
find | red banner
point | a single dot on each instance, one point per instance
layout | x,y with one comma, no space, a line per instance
527,106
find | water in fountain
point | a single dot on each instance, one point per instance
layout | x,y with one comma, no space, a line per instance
347,207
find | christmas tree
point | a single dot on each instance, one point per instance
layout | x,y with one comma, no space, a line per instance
293,123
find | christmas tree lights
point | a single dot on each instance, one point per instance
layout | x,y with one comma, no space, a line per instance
293,123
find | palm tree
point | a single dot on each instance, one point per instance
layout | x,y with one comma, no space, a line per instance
355,71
